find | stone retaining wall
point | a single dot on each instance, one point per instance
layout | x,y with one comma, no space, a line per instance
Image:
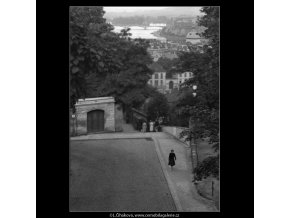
119,117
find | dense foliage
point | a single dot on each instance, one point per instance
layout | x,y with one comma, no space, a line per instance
85,23
169,65
208,167
204,113
104,63
157,107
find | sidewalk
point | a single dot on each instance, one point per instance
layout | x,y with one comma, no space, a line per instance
179,179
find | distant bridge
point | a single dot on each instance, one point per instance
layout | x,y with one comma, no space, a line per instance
143,27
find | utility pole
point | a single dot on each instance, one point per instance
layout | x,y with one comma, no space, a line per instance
194,87
192,161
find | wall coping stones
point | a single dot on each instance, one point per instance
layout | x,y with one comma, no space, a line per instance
101,100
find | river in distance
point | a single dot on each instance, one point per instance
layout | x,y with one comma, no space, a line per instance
141,32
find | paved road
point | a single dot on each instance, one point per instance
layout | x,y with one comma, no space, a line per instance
117,175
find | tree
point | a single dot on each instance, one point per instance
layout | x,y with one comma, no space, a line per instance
104,63
87,25
208,167
128,81
157,107
168,65
205,66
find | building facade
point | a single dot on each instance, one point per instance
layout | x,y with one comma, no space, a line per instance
158,80
166,85
171,84
182,77
97,115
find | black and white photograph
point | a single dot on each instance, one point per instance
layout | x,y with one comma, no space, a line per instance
144,109
134,118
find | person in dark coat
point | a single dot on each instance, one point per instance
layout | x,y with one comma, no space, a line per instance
171,159
156,126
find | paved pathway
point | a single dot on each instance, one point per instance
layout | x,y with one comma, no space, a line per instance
117,175
179,180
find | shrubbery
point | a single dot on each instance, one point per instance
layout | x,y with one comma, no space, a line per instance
208,167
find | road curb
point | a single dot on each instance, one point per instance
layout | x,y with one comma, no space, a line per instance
169,182
111,136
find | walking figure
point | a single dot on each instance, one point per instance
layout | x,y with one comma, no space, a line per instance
171,159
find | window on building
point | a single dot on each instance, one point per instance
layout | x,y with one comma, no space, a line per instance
156,75
161,82
156,83
161,74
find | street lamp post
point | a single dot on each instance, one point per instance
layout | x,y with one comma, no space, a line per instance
194,87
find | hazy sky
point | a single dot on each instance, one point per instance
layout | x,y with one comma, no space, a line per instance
130,9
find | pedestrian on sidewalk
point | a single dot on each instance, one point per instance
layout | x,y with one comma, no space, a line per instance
144,126
172,159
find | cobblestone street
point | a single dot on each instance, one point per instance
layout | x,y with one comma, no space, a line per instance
117,175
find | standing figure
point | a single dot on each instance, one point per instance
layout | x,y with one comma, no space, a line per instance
171,159
156,126
151,126
144,126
